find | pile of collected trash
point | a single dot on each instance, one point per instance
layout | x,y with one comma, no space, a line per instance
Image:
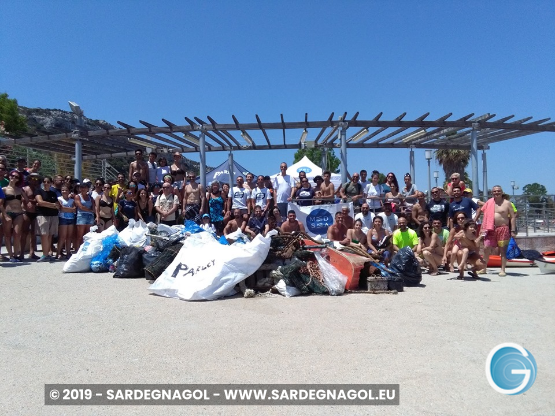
189,263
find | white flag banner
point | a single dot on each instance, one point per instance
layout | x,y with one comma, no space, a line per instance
317,218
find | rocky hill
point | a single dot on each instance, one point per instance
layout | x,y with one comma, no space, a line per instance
53,121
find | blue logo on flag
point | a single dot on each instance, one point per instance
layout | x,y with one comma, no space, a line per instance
318,221
304,169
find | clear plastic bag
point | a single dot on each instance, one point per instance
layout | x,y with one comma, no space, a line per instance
334,280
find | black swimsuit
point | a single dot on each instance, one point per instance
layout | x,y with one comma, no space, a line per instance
12,197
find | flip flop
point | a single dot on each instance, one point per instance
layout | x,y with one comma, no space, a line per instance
473,275
459,277
502,274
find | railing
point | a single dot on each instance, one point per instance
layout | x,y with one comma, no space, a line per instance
536,214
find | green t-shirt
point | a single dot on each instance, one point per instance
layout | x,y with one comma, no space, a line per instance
405,238
4,182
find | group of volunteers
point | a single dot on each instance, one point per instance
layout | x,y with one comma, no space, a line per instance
442,231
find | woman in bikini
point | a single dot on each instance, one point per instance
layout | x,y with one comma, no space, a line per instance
66,223
377,240
428,243
357,236
28,228
104,209
177,170
13,215
452,245
85,213
144,206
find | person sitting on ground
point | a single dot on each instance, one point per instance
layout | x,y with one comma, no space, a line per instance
271,224
237,223
428,243
404,237
277,216
442,237
379,240
348,221
356,236
366,217
452,246
469,252
207,225
337,231
292,224
256,223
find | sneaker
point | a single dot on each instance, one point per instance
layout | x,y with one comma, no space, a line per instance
15,260
43,258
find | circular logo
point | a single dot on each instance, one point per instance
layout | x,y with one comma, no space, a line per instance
318,221
304,169
510,369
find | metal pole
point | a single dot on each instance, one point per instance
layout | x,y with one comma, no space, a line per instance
343,135
230,170
202,159
78,150
324,159
411,163
485,173
429,181
474,154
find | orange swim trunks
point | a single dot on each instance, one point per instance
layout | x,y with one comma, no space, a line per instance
499,237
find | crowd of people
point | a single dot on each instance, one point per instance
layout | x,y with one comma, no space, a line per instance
442,231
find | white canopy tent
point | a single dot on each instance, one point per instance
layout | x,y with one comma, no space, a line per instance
312,170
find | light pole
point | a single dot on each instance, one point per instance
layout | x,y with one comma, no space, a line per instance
429,158
436,175
514,186
77,136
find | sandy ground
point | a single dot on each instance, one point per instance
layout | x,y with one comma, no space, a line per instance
432,340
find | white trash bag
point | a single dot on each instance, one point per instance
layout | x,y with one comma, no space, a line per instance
204,269
287,291
92,245
334,280
135,234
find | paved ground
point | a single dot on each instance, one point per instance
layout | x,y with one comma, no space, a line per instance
432,340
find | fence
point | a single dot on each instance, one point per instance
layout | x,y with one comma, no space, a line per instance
53,163
536,214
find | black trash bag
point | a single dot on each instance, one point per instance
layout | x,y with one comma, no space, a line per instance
405,266
148,258
130,263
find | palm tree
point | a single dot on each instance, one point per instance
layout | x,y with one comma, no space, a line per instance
453,161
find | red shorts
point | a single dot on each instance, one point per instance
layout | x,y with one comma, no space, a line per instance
499,237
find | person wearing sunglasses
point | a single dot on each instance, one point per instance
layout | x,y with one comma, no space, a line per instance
454,180
390,179
104,209
47,220
283,184
194,199
438,208
305,194
451,247
12,221
85,212
166,205
127,209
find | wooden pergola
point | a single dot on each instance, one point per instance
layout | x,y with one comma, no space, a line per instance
198,135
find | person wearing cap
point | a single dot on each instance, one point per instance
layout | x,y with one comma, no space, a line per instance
206,225
467,193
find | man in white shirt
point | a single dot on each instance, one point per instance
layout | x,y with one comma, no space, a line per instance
366,217
363,181
261,196
390,220
239,197
283,183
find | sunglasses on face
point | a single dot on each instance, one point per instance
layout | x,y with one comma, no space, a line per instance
14,176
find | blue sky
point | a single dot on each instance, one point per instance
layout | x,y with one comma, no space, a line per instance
131,60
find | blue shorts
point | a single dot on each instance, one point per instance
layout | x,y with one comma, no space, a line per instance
66,221
85,218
